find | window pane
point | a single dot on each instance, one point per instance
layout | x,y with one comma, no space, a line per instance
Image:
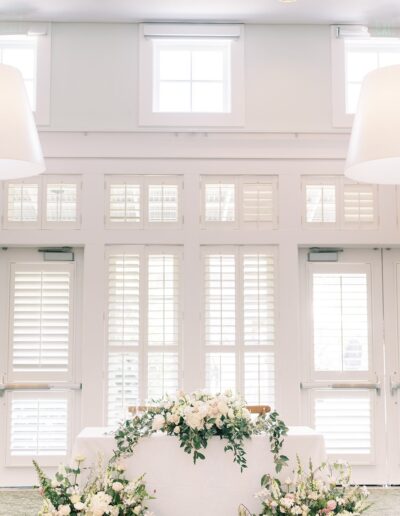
220,202
124,203
163,372
321,203
359,64
123,385
175,65
259,378
389,58
258,202
208,65
163,300
61,203
352,95
220,372
22,202
207,97
220,299
341,333
163,203
174,97
21,58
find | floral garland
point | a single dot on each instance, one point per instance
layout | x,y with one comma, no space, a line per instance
197,417
108,493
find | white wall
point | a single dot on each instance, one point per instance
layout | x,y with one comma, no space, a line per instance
95,78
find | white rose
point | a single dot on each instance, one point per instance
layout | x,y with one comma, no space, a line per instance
223,408
75,498
177,429
79,506
64,510
158,422
231,414
117,486
137,509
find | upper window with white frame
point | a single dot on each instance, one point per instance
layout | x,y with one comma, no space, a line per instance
143,201
333,201
354,54
27,48
239,201
191,75
45,202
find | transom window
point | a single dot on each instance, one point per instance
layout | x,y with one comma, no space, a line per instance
191,76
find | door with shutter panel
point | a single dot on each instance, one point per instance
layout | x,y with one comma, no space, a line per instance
344,394
39,332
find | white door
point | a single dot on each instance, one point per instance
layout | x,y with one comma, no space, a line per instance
39,387
344,381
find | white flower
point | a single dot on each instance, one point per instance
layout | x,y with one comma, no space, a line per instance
231,414
158,422
117,487
79,458
137,509
177,429
223,408
75,498
99,504
55,483
79,506
120,466
64,510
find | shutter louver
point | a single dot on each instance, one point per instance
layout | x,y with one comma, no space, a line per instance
220,372
359,204
61,205
22,202
320,203
39,426
341,332
123,384
163,300
124,203
163,374
123,300
258,299
220,299
258,202
259,378
40,318
345,423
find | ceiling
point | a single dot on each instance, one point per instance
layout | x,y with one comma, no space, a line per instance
371,12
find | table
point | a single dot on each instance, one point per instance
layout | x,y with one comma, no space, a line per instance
213,487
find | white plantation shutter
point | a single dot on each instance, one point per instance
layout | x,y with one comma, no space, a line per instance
258,299
124,203
239,305
259,202
359,205
123,300
345,420
22,204
144,318
38,428
61,206
163,203
41,320
123,384
220,299
163,299
340,319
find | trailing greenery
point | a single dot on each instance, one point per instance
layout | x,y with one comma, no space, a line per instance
197,417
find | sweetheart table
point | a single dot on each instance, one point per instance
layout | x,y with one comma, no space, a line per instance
211,487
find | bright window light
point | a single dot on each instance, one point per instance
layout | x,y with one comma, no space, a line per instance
20,52
191,76
363,56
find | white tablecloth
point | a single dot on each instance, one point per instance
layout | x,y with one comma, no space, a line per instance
213,487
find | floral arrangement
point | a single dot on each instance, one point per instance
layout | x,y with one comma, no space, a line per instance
197,417
324,491
108,493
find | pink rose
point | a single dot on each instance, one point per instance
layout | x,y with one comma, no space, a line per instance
331,505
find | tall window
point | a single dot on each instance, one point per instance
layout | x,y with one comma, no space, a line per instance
239,320
143,325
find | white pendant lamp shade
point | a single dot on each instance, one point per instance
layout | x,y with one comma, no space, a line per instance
20,151
374,151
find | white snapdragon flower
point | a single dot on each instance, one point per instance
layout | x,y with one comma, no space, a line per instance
158,422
